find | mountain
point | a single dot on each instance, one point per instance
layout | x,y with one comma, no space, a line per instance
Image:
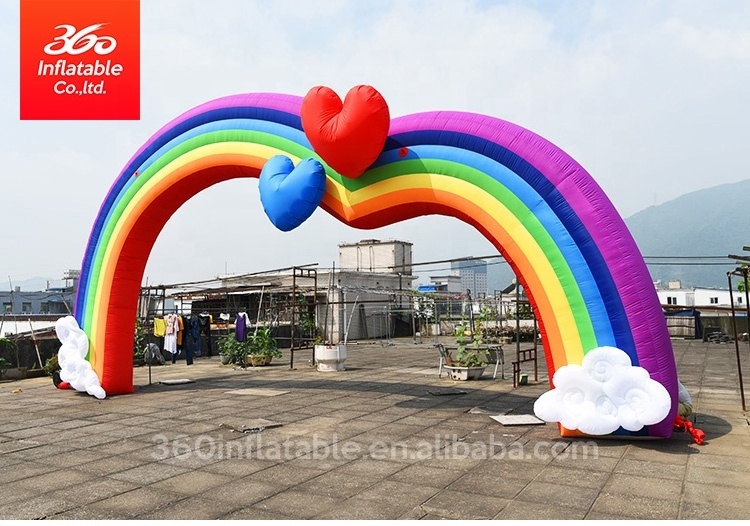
36,283
708,222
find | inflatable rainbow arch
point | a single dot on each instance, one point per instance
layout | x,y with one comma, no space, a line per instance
545,214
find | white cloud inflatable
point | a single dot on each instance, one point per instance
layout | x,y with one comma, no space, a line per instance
602,394
74,368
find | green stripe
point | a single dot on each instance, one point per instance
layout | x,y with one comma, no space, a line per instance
214,137
396,169
516,206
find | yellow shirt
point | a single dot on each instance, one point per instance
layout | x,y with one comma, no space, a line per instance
160,327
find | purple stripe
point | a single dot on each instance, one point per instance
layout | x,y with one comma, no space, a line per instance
582,193
273,101
598,215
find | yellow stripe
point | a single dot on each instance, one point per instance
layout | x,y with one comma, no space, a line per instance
110,258
503,216
509,222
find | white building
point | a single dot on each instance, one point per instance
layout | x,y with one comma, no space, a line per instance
373,255
676,295
450,283
473,274
367,296
699,311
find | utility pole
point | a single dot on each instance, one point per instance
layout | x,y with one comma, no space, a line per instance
11,294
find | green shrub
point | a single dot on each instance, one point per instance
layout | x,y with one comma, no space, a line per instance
260,342
230,347
139,341
51,365
10,346
263,342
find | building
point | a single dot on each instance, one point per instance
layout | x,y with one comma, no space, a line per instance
473,274
449,283
378,274
37,311
697,312
677,296
367,296
375,256
58,297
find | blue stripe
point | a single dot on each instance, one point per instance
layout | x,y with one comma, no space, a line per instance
126,175
609,293
540,209
515,163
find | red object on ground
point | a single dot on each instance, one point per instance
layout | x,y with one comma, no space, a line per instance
687,426
63,385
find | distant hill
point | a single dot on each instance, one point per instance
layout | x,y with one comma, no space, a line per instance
710,222
29,285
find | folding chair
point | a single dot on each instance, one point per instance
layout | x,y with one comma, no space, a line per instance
445,358
499,361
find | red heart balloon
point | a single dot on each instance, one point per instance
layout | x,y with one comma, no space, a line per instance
348,136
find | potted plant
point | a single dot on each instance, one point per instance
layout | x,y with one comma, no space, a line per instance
470,360
330,357
231,351
469,364
262,347
224,354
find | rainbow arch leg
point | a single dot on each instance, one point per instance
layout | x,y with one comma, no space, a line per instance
586,277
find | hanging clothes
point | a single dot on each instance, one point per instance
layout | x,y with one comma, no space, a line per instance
181,326
160,327
195,335
241,323
206,321
170,338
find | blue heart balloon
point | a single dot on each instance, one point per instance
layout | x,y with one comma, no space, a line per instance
291,194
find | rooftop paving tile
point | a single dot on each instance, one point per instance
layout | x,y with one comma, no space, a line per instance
385,439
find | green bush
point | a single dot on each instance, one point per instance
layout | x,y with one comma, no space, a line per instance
10,346
260,342
263,342
233,349
139,342
51,365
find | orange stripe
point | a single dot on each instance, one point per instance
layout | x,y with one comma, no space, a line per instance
499,237
127,223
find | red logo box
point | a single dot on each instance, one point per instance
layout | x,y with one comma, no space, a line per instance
80,60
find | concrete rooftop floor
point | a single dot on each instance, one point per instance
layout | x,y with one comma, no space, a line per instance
385,439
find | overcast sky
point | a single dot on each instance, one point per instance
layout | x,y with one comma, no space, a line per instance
651,97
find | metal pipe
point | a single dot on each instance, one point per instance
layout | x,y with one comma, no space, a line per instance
36,346
747,321
736,342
